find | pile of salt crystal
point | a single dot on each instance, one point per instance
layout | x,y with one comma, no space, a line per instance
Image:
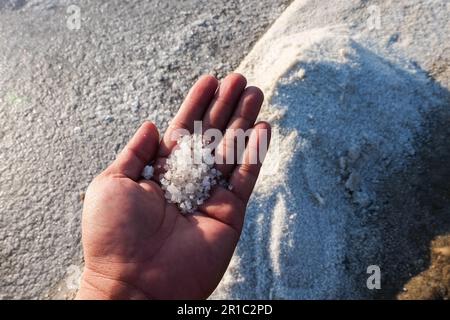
189,173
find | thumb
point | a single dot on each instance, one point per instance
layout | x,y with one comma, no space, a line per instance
139,151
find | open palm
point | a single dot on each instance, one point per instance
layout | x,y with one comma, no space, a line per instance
138,246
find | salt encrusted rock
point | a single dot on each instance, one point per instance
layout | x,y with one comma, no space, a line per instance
190,174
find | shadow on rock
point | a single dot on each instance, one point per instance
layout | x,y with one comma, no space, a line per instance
417,206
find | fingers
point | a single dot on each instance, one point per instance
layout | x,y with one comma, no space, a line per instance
224,102
243,118
139,151
192,109
223,205
244,176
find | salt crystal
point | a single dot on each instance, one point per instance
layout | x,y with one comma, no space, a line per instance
190,188
147,173
190,174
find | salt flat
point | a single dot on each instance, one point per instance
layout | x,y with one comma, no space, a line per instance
70,98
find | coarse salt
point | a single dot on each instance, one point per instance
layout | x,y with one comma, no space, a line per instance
189,174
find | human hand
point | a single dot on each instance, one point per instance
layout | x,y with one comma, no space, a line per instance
138,246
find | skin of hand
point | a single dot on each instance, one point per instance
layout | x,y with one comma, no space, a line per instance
138,246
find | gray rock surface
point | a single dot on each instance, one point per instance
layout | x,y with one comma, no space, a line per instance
70,98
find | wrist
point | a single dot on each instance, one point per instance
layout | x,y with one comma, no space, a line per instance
94,286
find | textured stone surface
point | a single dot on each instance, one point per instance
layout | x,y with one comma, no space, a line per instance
70,99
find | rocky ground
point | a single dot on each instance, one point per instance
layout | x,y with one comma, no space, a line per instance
70,98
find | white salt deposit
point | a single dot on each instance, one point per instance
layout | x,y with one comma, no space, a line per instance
190,174
348,103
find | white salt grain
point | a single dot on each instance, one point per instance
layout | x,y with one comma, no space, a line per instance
147,173
189,174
